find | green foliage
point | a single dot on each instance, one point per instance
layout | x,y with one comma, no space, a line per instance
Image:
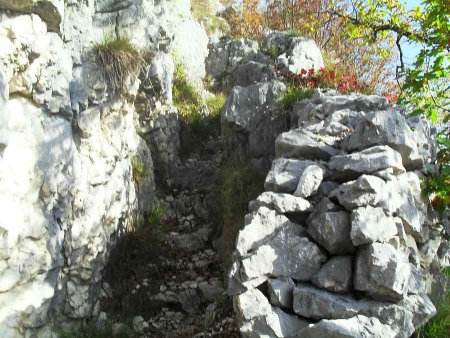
202,11
294,33
200,118
118,59
294,94
239,185
138,170
439,325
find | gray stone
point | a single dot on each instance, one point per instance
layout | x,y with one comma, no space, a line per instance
246,107
332,231
139,324
285,174
260,227
159,75
355,327
366,190
335,275
288,254
50,11
324,206
281,292
382,272
283,203
309,181
251,73
298,143
367,161
370,225
252,304
386,128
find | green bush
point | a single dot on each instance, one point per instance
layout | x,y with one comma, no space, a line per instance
293,94
439,325
118,59
138,170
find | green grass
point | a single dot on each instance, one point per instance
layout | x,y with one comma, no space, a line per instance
239,185
200,118
294,33
439,325
138,170
118,59
294,94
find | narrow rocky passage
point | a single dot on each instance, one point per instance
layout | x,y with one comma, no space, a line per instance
166,277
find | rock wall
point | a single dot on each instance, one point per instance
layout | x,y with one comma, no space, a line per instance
339,244
68,143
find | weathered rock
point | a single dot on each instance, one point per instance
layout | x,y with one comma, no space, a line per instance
382,272
299,144
386,128
332,231
335,275
285,174
159,76
50,11
251,73
355,327
246,107
309,181
281,292
370,225
366,190
260,227
283,203
367,161
288,254
252,304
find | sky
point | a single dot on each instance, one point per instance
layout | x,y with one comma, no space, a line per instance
410,50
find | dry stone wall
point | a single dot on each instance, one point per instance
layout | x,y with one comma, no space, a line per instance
336,245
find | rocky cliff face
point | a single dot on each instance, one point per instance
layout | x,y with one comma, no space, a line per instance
67,145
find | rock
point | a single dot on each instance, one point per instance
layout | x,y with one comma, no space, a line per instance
282,203
50,11
335,275
117,328
281,292
226,55
370,225
190,300
386,128
355,327
367,161
309,181
251,73
260,227
310,302
382,272
139,324
298,144
159,76
332,231
252,304
366,190
285,174
288,254
4,91
324,206
246,107
210,292
302,53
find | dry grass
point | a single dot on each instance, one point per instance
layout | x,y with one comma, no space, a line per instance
119,59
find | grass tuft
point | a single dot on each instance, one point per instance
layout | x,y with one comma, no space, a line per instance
294,94
118,59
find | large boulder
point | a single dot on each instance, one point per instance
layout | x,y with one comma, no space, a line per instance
302,53
246,107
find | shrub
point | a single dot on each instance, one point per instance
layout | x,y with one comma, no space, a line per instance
202,11
138,170
118,59
293,94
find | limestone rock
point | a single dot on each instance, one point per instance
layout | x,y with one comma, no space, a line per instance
370,225
386,128
309,181
332,231
282,203
288,254
298,144
281,292
285,174
252,72
335,275
355,327
50,11
382,272
366,190
367,161
246,107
